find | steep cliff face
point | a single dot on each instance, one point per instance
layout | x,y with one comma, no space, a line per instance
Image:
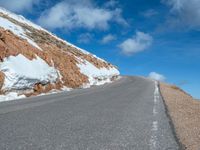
33,60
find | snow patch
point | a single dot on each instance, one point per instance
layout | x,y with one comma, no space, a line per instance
11,96
95,75
22,73
17,30
19,18
64,88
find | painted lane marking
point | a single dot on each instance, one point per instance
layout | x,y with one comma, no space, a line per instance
155,124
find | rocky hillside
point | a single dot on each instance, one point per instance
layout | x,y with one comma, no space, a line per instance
35,61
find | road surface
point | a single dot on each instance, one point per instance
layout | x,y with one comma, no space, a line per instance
128,114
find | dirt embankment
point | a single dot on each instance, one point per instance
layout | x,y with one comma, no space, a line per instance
54,51
185,114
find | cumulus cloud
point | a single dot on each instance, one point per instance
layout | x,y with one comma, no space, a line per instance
108,38
19,5
117,17
157,76
85,38
184,12
138,43
70,14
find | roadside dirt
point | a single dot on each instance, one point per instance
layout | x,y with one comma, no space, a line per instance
185,114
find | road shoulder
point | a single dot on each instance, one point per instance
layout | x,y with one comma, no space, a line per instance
184,112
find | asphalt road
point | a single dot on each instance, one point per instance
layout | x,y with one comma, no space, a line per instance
125,115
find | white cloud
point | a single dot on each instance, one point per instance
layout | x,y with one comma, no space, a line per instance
79,14
150,13
157,76
138,43
117,17
108,38
111,3
85,38
18,5
184,12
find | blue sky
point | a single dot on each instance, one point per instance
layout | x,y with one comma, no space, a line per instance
139,36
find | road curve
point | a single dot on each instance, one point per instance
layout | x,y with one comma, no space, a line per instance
126,115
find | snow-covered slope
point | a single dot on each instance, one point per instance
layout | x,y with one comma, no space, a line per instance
35,61
95,75
32,72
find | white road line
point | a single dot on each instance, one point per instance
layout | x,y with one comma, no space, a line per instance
154,130
154,110
155,126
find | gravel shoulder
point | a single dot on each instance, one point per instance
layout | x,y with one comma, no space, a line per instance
185,114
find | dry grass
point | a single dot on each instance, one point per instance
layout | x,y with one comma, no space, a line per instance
185,114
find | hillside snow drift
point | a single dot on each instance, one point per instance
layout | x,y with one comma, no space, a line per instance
34,61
